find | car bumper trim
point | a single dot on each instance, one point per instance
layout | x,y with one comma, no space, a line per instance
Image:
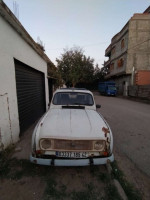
71,162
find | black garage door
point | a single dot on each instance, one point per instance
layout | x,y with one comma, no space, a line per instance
30,94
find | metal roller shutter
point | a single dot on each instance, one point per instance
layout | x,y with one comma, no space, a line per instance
30,85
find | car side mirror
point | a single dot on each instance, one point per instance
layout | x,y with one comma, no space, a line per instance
98,106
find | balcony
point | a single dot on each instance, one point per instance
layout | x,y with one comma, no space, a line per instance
106,63
108,51
115,72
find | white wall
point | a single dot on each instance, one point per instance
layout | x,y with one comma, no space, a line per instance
13,46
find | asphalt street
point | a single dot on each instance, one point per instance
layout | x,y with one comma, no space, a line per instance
130,124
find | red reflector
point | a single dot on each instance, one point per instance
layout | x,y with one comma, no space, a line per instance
38,152
105,153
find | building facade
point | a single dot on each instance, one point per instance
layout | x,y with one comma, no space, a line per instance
23,79
129,52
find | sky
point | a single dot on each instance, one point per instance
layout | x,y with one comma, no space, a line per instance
89,24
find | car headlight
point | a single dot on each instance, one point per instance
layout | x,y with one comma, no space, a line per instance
99,145
45,144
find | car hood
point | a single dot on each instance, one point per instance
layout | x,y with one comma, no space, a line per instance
72,124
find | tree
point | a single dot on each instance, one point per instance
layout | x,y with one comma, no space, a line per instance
98,73
97,77
54,74
75,67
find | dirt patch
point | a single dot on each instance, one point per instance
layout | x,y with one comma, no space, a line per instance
24,189
77,178
24,180
76,183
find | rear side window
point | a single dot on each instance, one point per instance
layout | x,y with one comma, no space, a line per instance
73,98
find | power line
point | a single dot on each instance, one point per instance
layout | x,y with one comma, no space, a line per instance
87,45
95,44
139,44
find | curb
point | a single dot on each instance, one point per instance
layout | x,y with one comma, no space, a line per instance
116,183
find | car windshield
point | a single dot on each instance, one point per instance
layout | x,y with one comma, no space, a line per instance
111,88
73,98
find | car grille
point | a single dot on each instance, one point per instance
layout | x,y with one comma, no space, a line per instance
72,145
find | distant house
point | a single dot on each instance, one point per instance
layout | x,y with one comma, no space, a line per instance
129,52
24,92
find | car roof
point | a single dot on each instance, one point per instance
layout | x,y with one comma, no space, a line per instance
73,90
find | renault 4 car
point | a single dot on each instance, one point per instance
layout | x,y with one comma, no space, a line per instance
72,132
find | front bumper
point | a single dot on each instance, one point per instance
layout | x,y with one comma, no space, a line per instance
71,162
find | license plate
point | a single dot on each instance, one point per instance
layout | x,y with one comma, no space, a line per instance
66,154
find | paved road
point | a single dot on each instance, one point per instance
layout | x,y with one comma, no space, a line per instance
130,123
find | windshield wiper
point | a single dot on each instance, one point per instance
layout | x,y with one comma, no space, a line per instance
83,104
73,107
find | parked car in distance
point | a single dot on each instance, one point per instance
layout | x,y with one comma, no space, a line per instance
107,88
72,132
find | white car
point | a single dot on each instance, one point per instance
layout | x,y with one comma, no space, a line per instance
72,132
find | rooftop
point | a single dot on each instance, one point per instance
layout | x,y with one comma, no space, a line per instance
147,10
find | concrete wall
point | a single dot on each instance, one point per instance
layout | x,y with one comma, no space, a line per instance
140,91
13,46
139,45
119,70
122,83
119,52
116,41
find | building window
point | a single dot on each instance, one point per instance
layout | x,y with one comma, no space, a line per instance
122,44
113,50
120,62
112,67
